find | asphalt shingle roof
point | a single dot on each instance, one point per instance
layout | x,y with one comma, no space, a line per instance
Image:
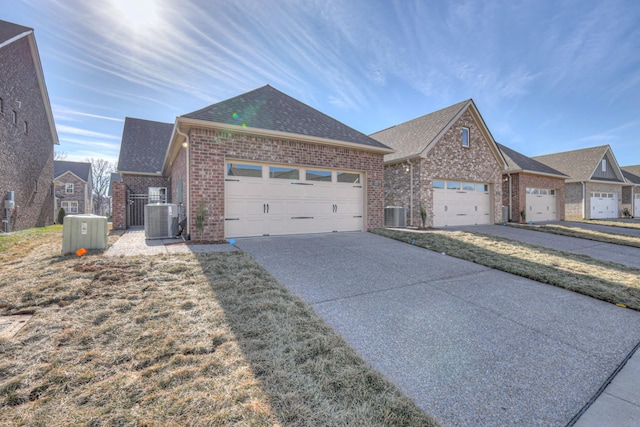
519,162
81,169
411,138
9,30
632,173
577,164
269,109
144,145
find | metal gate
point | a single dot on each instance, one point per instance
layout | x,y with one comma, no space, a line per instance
135,208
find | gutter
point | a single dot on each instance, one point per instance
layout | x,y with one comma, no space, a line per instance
188,186
584,199
510,215
410,191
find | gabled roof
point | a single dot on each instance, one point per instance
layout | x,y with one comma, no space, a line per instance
80,169
518,162
411,138
632,174
416,137
144,145
9,33
269,109
580,165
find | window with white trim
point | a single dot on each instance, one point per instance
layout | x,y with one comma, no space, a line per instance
604,165
157,194
68,188
69,206
465,137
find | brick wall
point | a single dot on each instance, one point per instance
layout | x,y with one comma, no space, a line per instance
139,184
573,201
519,184
447,160
209,148
119,205
79,193
26,162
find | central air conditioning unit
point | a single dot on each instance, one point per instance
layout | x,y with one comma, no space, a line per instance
395,216
160,221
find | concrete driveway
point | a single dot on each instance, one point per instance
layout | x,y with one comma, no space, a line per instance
470,345
604,251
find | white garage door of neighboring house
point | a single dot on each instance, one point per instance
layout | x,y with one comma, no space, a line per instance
604,205
273,199
636,212
541,204
461,203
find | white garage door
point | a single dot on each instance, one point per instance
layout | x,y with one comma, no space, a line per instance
541,204
460,203
604,205
272,199
636,212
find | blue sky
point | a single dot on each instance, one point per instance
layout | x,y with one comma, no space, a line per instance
546,75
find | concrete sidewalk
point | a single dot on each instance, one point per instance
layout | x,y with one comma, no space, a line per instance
470,345
133,242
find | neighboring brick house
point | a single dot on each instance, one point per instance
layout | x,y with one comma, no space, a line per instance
263,163
446,162
27,132
594,187
142,154
532,190
73,183
631,192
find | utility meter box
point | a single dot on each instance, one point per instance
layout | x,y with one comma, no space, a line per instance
84,231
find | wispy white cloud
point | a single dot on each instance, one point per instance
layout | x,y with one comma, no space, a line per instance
65,129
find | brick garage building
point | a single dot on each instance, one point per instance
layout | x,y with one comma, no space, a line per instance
532,190
27,132
265,163
447,163
594,185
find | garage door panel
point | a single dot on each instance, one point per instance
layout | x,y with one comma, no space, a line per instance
258,206
604,205
636,208
460,207
541,207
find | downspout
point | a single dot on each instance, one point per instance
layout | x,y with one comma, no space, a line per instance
410,192
188,186
584,200
510,215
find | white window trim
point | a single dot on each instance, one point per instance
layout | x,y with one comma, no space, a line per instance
67,187
604,165
70,206
468,141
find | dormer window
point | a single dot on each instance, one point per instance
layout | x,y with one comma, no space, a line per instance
604,165
465,137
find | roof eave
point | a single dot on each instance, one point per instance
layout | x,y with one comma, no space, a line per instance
284,135
404,159
121,172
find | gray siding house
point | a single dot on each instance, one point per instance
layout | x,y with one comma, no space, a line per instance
27,132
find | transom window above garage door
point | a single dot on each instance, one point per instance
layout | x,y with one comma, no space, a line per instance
460,185
238,169
541,191
603,195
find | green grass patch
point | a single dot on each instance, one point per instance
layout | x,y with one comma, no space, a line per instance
607,281
583,233
23,237
190,339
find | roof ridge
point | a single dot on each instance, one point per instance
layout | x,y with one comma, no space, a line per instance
606,146
426,115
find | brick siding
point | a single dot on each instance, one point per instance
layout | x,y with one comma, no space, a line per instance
209,148
79,193
27,157
119,205
574,202
447,160
519,184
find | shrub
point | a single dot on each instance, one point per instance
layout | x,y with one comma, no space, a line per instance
61,215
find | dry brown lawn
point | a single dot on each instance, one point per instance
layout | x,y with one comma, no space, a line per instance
607,281
622,224
583,233
183,340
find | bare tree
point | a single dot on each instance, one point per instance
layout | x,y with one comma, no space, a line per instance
101,170
59,155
